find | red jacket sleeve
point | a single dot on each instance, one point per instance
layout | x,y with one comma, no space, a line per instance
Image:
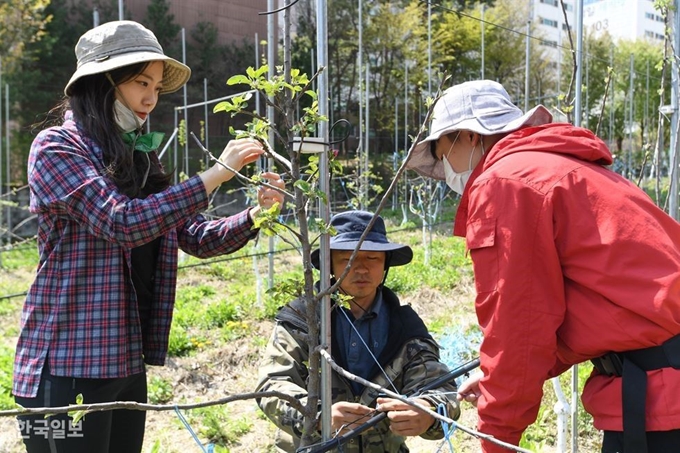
520,303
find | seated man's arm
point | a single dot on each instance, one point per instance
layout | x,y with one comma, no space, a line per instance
423,367
283,369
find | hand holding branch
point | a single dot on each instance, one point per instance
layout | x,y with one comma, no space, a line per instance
406,420
235,156
268,196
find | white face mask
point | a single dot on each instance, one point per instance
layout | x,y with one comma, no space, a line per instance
456,181
126,119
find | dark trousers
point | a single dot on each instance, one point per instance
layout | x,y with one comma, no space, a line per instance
657,442
116,431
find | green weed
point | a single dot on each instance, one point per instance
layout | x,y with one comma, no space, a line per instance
181,343
22,256
220,313
6,368
159,390
218,427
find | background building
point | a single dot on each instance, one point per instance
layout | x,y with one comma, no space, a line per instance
234,19
622,19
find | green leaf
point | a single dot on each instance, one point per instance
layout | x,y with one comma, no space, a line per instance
264,69
238,79
303,185
77,415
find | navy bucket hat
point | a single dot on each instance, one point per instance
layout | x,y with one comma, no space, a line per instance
351,225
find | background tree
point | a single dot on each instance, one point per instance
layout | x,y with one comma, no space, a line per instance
605,60
159,20
21,22
37,79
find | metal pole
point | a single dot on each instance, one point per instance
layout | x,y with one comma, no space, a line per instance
271,62
396,150
559,70
7,152
95,17
526,68
360,91
404,210
1,185
577,122
174,160
405,107
612,97
646,122
324,244
206,119
429,48
311,68
262,162
186,110
120,10
587,102
482,25
673,152
366,191
631,105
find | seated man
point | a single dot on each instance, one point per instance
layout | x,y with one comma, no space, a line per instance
376,338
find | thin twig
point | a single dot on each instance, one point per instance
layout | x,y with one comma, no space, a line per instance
133,405
238,175
604,101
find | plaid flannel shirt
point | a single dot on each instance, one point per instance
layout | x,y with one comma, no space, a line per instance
81,313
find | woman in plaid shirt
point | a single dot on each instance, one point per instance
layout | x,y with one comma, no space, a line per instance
109,228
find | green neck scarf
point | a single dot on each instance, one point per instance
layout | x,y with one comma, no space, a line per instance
144,142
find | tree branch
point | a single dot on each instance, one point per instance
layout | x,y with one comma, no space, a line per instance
133,405
238,175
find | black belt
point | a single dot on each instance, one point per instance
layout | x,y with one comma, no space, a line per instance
633,367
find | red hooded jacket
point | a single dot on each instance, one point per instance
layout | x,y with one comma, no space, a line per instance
571,261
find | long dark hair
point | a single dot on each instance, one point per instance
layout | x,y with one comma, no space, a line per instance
91,101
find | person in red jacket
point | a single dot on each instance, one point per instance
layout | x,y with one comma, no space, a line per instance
572,262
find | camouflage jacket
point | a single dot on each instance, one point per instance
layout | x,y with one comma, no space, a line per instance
410,359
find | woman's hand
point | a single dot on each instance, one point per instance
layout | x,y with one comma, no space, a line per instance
235,155
266,196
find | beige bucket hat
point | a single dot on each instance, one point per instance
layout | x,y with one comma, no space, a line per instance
121,43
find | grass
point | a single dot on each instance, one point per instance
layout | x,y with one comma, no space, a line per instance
219,426
6,366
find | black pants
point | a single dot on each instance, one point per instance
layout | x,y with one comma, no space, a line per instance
657,442
117,431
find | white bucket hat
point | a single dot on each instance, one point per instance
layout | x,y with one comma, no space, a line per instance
481,106
122,43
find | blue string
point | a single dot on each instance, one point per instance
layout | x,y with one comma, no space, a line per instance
211,446
448,428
